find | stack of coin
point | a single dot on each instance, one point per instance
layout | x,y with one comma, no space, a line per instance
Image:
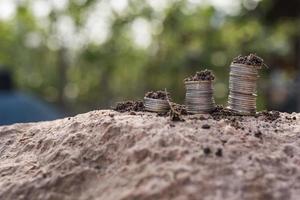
156,105
242,88
199,96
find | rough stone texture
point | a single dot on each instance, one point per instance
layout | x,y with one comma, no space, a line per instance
113,156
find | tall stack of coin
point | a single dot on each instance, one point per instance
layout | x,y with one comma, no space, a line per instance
242,88
199,93
156,102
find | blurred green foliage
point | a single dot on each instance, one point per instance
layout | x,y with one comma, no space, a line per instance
184,37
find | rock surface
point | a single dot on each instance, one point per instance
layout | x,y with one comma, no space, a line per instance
125,156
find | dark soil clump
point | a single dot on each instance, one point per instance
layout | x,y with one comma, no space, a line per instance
269,116
205,75
176,111
158,95
206,150
130,106
251,59
219,112
219,152
181,109
258,134
231,117
206,126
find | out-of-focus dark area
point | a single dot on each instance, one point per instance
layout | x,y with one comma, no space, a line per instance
81,55
17,107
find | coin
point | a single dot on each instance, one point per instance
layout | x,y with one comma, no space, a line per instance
242,88
199,96
156,105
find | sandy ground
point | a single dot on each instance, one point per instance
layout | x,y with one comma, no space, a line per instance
112,156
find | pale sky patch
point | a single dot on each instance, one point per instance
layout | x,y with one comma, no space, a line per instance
119,5
141,32
7,9
40,8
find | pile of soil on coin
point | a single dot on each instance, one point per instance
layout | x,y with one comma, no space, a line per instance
205,75
251,59
162,95
128,106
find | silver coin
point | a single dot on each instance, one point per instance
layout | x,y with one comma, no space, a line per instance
235,97
248,87
242,95
243,82
244,68
199,96
200,100
189,107
202,105
245,107
242,107
242,103
241,71
155,100
243,79
238,99
249,111
206,90
242,112
232,85
156,105
243,91
242,88
198,85
203,102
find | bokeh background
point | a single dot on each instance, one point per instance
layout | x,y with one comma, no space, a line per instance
80,55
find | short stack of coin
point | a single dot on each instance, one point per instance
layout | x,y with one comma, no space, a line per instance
242,88
156,105
199,96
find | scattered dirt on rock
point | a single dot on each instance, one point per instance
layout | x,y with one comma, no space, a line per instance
251,59
158,95
107,155
205,75
130,106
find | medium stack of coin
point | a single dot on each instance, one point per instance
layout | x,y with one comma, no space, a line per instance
156,105
199,96
242,88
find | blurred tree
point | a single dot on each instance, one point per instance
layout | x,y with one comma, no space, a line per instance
87,54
